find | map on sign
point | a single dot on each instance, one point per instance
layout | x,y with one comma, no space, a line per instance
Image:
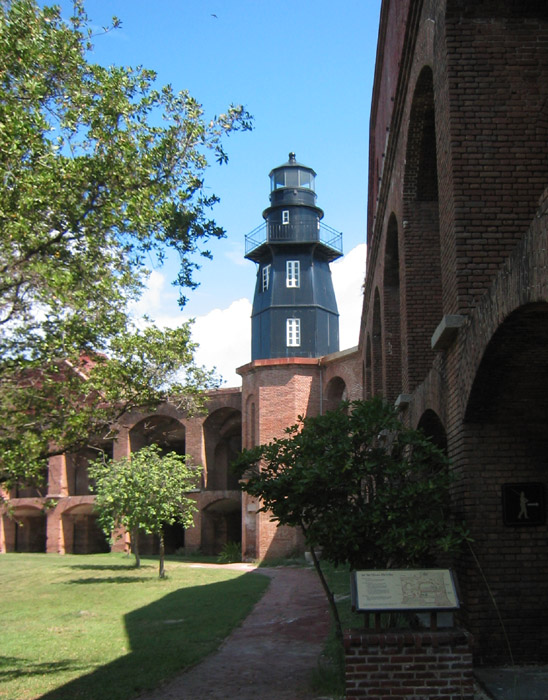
404,589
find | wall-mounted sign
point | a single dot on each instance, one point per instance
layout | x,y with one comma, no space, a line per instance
523,504
403,589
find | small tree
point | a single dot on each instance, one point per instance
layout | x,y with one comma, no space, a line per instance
144,492
365,489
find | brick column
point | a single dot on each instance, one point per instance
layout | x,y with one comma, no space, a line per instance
194,442
7,533
57,488
121,446
282,389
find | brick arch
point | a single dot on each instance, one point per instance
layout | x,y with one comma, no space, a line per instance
503,388
335,392
514,370
504,446
377,347
158,429
522,281
391,300
421,271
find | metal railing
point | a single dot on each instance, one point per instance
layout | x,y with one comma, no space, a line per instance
305,232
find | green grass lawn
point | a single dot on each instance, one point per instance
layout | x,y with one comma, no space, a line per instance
93,627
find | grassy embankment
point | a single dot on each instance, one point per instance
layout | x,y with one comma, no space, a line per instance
79,626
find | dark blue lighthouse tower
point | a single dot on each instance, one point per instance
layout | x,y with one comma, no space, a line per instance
294,308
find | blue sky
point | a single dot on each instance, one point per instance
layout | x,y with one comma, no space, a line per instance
305,71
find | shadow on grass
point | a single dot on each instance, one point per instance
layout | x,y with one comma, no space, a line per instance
12,667
108,567
108,579
168,636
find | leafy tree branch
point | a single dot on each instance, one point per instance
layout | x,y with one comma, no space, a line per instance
101,175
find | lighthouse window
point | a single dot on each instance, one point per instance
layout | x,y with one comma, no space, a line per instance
293,273
277,180
306,179
293,328
292,178
285,216
266,277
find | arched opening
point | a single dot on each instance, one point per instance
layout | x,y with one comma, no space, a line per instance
504,454
391,300
223,441
221,523
164,431
81,533
30,529
432,427
423,307
335,392
377,347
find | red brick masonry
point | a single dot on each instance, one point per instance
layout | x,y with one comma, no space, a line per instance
409,665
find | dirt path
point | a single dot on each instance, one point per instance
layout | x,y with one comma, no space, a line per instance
271,656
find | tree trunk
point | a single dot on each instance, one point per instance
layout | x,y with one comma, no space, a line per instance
134,535
162,571
330,596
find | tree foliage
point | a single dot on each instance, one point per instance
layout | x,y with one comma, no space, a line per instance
364,489
144,492
102,174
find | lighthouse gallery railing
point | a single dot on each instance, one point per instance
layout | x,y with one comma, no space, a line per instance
306,232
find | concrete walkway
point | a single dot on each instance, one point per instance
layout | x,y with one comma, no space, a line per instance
272,654
515,683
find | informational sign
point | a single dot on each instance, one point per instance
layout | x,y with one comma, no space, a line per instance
523,504
404,589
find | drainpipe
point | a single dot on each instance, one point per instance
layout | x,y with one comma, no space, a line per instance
321,389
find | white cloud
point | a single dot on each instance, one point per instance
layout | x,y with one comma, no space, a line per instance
348,274
224,336
236,256
158,301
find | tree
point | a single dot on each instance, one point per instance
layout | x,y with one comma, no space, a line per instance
144,492
362,487
102,172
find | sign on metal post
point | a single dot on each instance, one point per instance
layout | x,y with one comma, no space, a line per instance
395,590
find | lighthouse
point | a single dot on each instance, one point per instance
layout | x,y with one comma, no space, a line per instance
294,307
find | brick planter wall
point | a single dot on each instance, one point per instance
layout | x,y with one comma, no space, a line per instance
408,665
